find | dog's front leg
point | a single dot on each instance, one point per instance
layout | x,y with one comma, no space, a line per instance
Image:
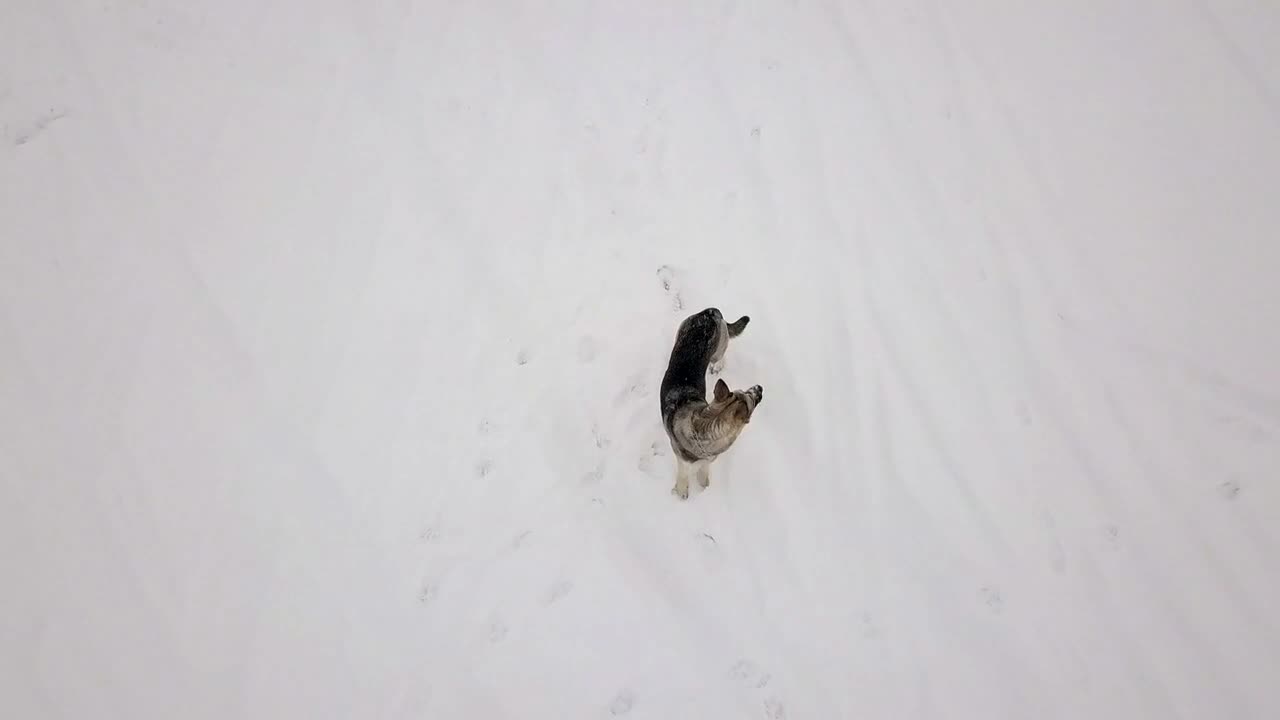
704,474
681,490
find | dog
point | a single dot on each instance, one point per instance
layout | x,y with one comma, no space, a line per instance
701,431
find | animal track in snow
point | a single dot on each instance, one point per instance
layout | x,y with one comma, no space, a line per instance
1057,558
649,461
750,674
622,702
593,476
522,357
484,467
667,275
869,630
1229,489
709,553
41,124
991,596
637,386
1112,537
497,630
601,439
1248,428
558,591
774,709
428,593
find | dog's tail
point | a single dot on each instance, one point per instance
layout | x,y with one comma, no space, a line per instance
736,328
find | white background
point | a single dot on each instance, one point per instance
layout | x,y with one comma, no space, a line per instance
331,331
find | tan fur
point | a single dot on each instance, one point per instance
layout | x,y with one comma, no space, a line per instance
700,431
708,430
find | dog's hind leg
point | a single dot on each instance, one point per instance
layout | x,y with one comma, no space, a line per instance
703,472
681,490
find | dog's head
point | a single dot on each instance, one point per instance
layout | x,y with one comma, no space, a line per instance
737,405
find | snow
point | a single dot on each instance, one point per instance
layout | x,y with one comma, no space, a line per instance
330,334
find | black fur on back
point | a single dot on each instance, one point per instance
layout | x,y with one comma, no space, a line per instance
686,377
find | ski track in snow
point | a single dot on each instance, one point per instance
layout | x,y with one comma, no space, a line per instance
331,337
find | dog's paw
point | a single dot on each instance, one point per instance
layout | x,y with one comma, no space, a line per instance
717,367
681,492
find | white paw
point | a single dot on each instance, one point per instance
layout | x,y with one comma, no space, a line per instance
681,492
716,367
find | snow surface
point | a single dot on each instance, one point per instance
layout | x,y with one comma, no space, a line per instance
330,334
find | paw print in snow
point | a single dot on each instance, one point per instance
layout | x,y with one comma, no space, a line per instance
497,630
869,631
648,461
991,596
558,591
1229,489
1111,535
637,386
667,275
428,593
601,439
750,674
622,703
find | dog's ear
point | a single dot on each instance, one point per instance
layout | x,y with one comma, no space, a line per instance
722,391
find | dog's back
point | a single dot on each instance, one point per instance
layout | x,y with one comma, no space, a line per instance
697,340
